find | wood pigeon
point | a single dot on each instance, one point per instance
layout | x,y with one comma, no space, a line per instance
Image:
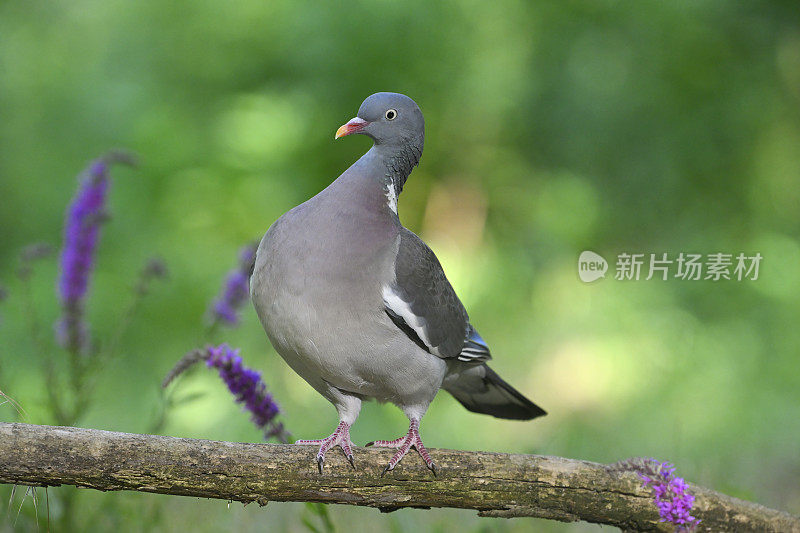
360,307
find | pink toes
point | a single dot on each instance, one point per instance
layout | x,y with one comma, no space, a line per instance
396,443
340,437
403,445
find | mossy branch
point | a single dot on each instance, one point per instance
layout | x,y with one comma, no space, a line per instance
494,484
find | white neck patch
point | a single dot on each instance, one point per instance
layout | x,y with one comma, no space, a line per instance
391,197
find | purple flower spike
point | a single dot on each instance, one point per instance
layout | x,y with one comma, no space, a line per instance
248,388
85,214
236,289
673,501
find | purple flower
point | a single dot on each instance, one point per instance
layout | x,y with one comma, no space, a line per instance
236,289
248,388
674,503
85,214
245,384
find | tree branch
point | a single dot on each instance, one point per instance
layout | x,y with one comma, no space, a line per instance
494,484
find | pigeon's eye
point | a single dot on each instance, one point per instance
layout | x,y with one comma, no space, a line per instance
391,114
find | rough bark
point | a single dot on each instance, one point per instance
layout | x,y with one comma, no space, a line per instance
494,484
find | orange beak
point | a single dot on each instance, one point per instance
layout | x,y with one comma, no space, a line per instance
354,126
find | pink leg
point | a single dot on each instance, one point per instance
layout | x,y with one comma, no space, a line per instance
403,445
340,437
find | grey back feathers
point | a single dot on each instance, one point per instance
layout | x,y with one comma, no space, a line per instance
422,303
424,300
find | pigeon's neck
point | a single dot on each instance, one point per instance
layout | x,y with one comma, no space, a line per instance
377,178
393,165
397,162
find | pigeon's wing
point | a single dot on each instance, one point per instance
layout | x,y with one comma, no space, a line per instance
422,303
475,348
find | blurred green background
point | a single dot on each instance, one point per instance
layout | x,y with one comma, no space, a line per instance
552,128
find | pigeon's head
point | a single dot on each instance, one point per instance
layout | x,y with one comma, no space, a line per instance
389,119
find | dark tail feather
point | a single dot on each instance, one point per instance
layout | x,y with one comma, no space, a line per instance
480,390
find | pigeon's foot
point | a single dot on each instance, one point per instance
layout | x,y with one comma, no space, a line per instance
340,437
403,444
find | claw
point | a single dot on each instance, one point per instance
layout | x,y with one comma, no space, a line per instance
340,437
370,443
403,445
